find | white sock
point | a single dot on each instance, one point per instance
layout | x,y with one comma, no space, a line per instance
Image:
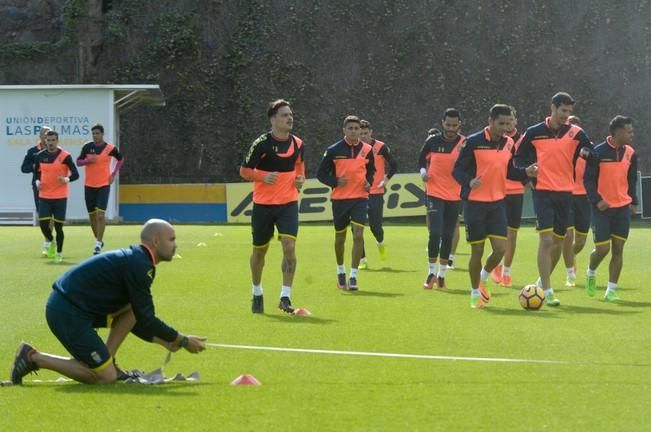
432,268
549,291
571,272
285,291
353,272
257,290
380,243
451,258
475,291
46,244
98,243
341,269
506,271
442,269
484,275
539,282
591,272
612,286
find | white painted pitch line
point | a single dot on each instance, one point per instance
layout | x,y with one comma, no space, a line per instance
351,353
386,355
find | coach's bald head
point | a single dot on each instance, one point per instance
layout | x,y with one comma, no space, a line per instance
160,237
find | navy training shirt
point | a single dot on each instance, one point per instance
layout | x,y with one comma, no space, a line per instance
106,283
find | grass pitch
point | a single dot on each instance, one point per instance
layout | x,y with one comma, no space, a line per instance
602,383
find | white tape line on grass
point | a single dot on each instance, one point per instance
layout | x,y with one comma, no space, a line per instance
385,355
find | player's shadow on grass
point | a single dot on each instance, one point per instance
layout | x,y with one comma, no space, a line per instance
451,291
64,263
388,270
518,312
503,292
593,310
300,319
168,389
364,293
581,287
633,304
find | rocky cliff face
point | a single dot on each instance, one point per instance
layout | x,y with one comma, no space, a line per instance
397,63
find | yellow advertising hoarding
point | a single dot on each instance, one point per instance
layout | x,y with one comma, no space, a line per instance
405,196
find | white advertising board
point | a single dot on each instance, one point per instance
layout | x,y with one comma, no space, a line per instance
71,112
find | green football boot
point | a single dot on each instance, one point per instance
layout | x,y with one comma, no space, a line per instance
551,300
591,285
611,296
382,250
52,250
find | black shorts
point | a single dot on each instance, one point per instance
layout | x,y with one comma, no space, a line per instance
442,216
52,208
347,211
96,198
580,214
514,211
484,219
264,217
610,223
75,329
552,211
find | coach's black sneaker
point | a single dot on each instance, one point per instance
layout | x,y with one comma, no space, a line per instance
23,363
124,375
352,284
134,374
285,305
257,304
341,281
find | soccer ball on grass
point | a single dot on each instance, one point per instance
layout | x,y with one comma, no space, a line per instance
532,297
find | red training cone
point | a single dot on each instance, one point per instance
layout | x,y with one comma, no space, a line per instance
302,311
246,379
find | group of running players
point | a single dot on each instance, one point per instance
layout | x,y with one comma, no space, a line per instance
52,170
574,183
